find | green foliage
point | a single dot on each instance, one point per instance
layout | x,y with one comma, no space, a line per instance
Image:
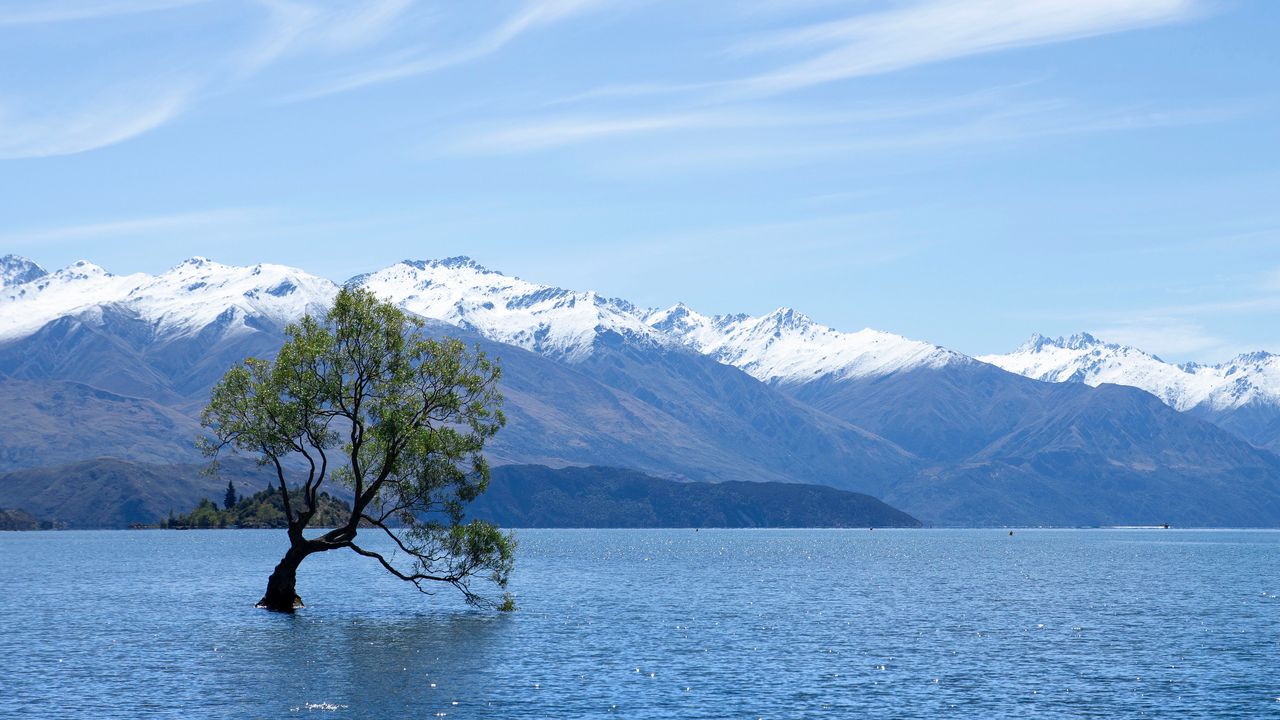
264,509
364,396
205,515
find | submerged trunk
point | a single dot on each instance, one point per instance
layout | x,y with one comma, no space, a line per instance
281,594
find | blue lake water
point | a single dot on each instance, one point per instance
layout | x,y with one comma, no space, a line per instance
661,624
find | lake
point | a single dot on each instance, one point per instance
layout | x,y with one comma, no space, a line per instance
655,624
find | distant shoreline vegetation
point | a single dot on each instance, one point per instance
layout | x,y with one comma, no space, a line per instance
535,496
262,510
19,519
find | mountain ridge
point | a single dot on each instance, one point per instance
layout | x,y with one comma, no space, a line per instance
1242,394
592,380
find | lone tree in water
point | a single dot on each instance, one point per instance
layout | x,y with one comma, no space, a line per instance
363,397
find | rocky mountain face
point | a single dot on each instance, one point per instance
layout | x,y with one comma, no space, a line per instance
15,270
93,364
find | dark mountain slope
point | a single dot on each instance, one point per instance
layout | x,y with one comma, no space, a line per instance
966,443
754,424
665,411
599,497
941,415
110,348
52,422
1004,449
111,493
675,414
1258,422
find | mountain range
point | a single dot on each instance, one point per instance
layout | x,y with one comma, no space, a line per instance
1242,394
98,365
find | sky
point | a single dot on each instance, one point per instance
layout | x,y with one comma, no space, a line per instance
965,172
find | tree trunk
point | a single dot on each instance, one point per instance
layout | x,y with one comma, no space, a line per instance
281,594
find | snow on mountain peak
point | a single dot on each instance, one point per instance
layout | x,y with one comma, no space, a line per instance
27,307
185,299
1078,341
1083,340
541,318
17,270
81,270
199,292
1086,359
676,316
785,318
457,262
1257,356
783,346
787,346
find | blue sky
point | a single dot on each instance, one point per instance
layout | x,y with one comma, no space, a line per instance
961,171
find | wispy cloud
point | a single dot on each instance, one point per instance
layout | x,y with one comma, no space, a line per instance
539,133
221,219
35,13
868,44
98,123
78,122
1165,337
535,15
364,24
1178,330
937,30
979,119
848,236
292,26
285,23
913,34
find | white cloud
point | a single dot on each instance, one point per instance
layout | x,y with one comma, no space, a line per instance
1165,336
364,23
331,27
534,15
135,227
927,32
966,122
71,122
539,133
99,123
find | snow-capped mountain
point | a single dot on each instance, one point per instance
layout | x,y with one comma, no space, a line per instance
786,347
16,270
666,391
782,347
541,318
182,301
1253,378
26,307
198,292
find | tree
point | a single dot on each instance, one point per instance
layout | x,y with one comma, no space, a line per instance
365,398
229,500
